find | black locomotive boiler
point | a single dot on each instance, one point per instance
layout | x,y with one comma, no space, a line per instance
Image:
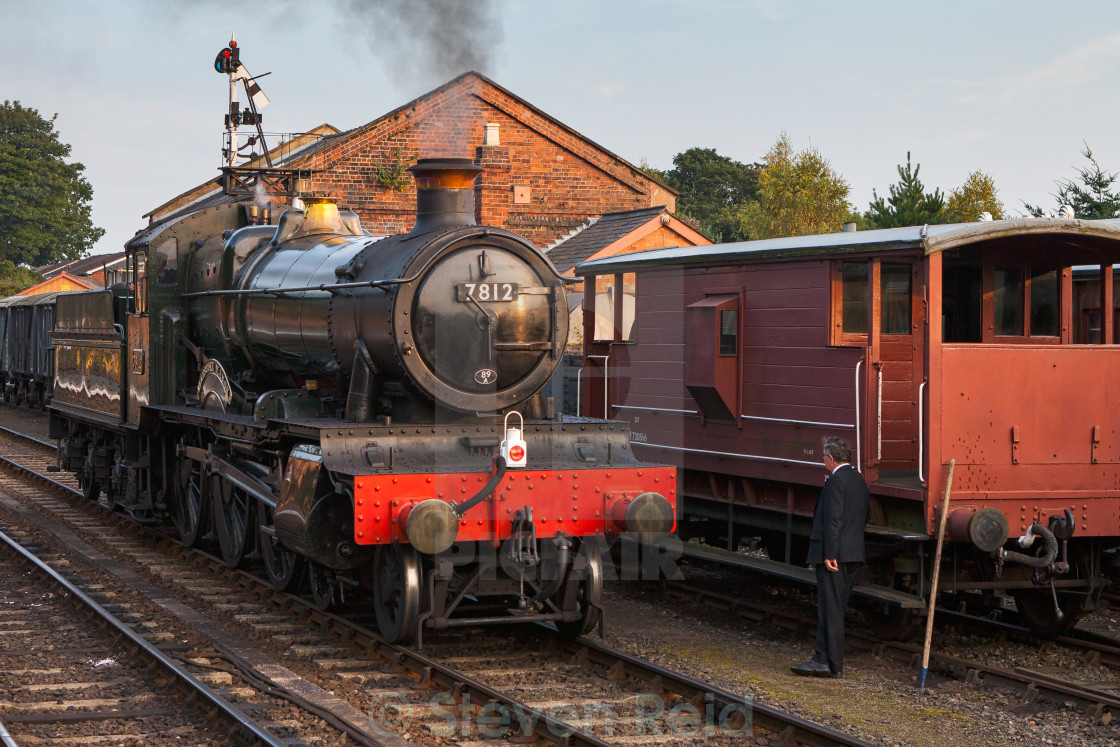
364,412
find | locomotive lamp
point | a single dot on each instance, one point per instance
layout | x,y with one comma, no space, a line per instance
513,447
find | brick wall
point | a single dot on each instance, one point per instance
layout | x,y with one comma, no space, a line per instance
558,176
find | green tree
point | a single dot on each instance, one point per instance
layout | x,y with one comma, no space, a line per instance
712,189
44,201
15,279
798,194
909,204
1093,197
977,195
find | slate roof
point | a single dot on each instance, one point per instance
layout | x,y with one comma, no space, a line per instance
599,234
81,267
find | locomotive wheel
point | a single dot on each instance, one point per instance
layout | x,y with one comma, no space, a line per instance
323,583
192,502
284,567
90,488
589,598
396,592
233,518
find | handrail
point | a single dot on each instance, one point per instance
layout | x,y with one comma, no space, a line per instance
859,416
579,389
879,425
757,418
656,409
796,422
921,431
727,454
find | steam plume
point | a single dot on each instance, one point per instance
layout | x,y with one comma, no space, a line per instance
428,42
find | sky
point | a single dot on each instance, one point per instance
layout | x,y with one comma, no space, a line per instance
1015,89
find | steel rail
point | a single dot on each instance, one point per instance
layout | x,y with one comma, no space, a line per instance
6,739
789,727
247,729
25,437
431,672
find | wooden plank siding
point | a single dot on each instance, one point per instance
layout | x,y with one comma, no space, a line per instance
788,371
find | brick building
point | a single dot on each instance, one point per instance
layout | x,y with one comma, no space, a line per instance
540,178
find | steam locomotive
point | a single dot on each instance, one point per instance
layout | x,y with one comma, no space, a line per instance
366,412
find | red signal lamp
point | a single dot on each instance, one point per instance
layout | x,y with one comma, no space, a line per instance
222,63
513,447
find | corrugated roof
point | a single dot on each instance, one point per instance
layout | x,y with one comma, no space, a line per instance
929,239
599,235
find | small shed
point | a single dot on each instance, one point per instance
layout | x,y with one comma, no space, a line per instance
60,282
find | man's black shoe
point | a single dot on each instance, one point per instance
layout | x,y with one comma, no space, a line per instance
811,669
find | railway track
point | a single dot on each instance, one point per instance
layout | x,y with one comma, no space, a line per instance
467,686
76,673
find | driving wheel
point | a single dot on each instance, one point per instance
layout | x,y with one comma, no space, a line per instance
284,567
191,514
233,518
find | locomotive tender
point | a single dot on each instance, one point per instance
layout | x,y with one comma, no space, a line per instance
367,409
990,343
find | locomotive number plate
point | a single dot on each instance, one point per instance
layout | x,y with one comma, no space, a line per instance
486,292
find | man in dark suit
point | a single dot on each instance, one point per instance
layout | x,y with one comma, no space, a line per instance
836,548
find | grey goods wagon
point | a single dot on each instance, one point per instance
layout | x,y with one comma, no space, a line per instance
26,360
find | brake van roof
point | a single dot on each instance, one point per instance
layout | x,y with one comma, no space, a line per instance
927,239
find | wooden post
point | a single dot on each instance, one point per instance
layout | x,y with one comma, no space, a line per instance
936,574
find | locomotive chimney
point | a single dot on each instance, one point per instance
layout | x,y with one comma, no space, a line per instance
444,193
